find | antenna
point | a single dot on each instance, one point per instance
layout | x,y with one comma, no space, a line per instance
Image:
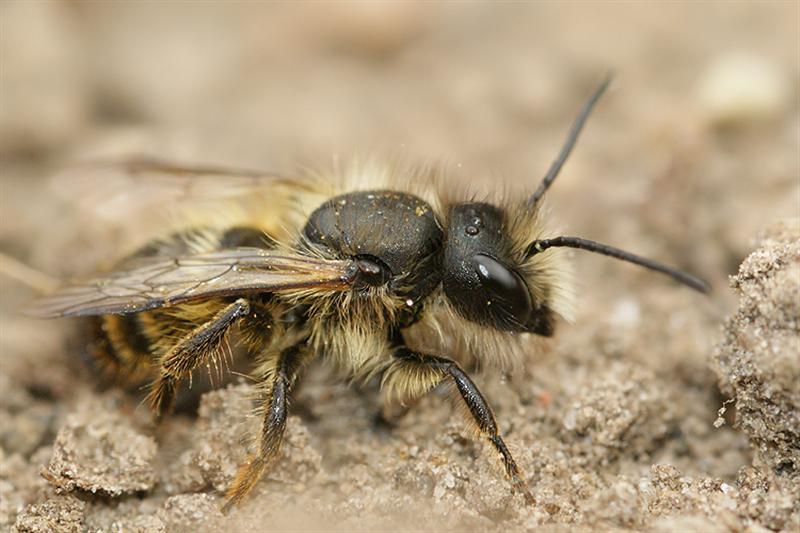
584,244
569,144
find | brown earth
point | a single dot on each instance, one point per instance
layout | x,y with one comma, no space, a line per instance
658,409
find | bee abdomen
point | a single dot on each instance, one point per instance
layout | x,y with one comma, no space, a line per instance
126,348
121,350
246,236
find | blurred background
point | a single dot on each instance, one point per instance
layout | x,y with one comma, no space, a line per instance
690,155
695,145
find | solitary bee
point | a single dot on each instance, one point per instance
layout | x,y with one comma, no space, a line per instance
378,269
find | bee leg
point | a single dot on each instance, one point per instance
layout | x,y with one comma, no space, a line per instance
415,373
282,376
189,353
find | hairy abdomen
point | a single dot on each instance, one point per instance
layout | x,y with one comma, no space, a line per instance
126,349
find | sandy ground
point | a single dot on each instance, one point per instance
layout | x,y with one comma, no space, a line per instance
658,409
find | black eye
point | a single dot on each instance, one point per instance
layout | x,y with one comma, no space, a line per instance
479,278
505,288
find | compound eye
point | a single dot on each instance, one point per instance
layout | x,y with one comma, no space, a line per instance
506,288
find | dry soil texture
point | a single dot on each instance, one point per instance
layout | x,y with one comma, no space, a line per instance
616,421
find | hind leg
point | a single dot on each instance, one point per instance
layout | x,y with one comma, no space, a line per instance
193,350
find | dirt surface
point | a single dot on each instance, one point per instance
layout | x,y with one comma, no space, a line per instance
657,409
757,362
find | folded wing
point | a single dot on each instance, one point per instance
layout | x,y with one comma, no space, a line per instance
155,282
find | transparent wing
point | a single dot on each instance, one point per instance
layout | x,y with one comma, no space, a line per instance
115,189
154,282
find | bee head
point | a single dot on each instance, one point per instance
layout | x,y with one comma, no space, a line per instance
484,276
496,271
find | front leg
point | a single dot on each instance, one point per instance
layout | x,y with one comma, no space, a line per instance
413,374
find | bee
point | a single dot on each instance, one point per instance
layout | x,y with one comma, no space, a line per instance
383,271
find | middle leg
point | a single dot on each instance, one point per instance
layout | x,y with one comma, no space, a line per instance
281,376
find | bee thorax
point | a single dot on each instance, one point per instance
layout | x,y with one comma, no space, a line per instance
393,237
